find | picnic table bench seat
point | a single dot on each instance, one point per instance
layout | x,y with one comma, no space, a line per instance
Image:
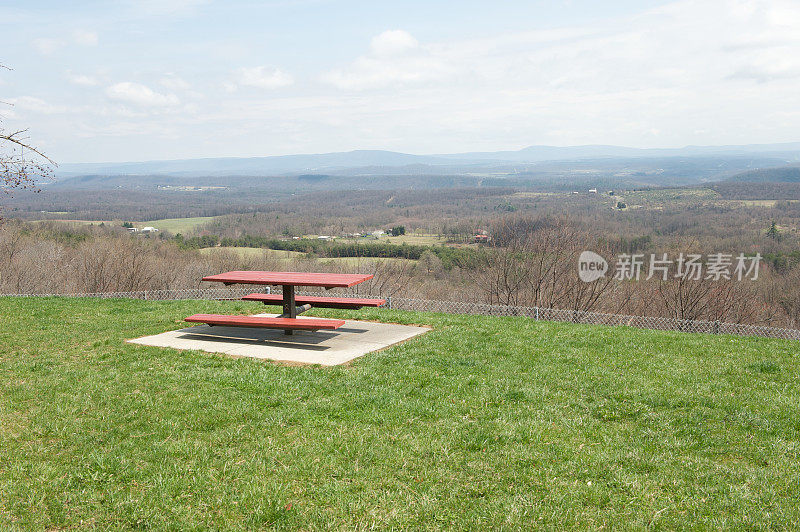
288,281
319,302
305,324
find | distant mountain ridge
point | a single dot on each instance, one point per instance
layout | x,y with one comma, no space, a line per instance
350,162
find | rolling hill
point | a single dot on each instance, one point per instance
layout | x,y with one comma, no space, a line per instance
783,174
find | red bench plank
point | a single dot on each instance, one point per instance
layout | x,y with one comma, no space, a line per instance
328,280
309,324
321,302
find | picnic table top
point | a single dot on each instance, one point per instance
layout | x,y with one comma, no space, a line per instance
327,280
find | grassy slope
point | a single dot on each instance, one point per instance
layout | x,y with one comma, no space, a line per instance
481,422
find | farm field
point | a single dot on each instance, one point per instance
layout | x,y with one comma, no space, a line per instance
173,225
756,203
415,239
176,225
288,256
410,239
246,252
482,423
689,197
75,222
356,261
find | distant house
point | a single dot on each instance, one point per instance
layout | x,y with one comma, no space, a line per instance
481,237
592,191
149,230
133,229
378,234
324,237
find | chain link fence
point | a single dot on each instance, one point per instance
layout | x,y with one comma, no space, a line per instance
595,318
157,295
462,307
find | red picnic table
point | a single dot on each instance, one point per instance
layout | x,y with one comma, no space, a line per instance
288,281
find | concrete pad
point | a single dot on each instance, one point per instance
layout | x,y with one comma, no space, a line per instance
328,348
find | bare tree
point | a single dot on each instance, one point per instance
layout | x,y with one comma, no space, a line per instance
683,298
22,165
787,296
534,262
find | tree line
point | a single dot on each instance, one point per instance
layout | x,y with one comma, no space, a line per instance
449,256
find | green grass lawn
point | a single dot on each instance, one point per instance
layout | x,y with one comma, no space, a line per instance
481,423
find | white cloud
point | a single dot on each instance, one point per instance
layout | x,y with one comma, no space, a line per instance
688,72
50,45
393,42
764,73
36,105
141,95
84,38
681,44
175,83
160,8
395,57
263,78
47,46
82,80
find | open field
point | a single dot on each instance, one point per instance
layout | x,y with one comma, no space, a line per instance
537,194
482,423
288,256
658,199
688,194
76,222
254,252
415,239
176,225
356,261
410,239
755,203
173,225
689,197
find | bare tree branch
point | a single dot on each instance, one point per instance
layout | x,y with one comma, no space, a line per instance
22,165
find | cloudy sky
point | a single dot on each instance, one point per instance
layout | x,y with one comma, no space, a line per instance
165,79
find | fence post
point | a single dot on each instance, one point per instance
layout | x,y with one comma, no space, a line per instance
537,313
389,302
716,327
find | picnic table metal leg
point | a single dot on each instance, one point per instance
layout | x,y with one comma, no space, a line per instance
289,307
